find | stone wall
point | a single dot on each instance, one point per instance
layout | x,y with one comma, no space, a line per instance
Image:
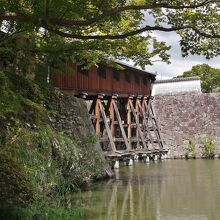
189,116
70,116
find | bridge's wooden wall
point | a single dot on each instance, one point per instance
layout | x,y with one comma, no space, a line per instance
104,80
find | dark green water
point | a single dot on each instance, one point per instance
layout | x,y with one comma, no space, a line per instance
168,190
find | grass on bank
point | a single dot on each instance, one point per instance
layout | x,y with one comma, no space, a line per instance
39,166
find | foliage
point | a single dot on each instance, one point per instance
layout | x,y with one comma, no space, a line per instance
95,31
20,102
38,164
56,163
209,148
40,211
210,77
191,149
16,187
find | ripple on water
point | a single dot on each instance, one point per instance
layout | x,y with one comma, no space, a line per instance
168,190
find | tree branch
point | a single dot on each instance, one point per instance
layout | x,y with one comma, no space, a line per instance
211,36
107,13
112,37
131,33
113,11
51,23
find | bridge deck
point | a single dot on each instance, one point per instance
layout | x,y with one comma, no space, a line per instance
123,154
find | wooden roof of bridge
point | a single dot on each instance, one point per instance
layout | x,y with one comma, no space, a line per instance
128,66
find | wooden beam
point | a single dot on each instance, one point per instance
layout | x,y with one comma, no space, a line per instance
138,126
145,122
155,128
97,114
157,124
112,117
92,107
129,122
137,110
120,124
106,125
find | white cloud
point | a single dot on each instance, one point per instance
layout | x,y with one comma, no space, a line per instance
178,63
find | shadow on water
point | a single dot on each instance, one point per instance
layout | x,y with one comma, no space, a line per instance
175,189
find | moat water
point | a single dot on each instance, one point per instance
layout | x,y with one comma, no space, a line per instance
167,190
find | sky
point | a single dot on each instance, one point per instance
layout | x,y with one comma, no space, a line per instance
178,63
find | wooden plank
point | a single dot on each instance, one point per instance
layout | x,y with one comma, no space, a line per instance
138,126
93,81
119,139
103,139
155,131
147,106
106,125
153,125
112,117
120,124
157,125
129,122
97,114
138,121
143,112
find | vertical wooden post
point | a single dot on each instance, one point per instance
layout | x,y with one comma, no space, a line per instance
129,121
153,121
102,110
144,113
138,122
97,115
159,136
142,107
120,124
112,117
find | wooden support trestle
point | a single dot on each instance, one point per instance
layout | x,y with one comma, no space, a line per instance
137,123
126,125
120,124
153,125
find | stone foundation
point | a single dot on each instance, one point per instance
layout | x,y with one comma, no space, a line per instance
71,116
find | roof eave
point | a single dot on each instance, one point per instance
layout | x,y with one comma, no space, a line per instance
135,69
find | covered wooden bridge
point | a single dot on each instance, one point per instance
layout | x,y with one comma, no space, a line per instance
120,108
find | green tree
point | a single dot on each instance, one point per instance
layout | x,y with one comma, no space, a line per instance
99,30
210,77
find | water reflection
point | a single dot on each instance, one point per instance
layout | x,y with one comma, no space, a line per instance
164,190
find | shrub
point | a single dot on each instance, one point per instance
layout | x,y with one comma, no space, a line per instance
209,148
191,150
3,81
15,186
39,211
38,163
